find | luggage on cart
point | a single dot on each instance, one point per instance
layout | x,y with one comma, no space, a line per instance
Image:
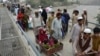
52,50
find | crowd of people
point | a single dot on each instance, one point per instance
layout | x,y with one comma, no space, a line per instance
23,13
83,39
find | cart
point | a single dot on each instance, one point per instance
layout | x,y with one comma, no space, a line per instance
51,50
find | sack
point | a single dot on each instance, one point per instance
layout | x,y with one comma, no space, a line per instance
30,25
30,20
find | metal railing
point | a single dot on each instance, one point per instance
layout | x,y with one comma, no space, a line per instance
0,27
94,24
27,38
29,41
10,44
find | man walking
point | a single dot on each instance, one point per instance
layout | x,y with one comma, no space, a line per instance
77,29
65,17
57,27
83,44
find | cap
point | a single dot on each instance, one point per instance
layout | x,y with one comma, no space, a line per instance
79,18
87,30
28,6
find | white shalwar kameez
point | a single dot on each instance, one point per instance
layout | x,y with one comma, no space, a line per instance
75,33
56,27
37,22
76,30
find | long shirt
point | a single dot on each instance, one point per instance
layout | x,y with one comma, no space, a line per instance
56,27
76,30
78,49
37,21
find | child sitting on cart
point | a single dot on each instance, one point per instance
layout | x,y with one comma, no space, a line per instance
46,41
42,36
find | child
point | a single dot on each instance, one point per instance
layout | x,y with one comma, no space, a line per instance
42,36
96,39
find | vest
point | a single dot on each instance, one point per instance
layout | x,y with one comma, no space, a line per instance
85,46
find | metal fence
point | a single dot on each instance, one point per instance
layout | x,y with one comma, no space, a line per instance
92,25
29,41
10,44
0,27
12,47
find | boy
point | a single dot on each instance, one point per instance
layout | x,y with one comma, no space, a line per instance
96,39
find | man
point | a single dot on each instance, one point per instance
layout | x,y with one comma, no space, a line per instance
40,9
96,39
83,44
65,17
28,10
85,17
74,17
20,17
25,22
57,26
49,22
77,29
49,9
44,15
59,11
37,20
16,10
22,9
